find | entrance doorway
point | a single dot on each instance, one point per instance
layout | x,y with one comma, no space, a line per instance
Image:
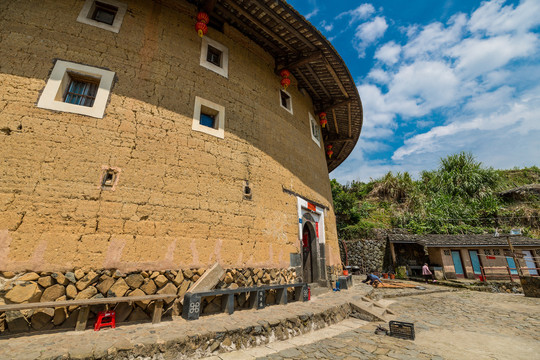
458,267
475,261
309,241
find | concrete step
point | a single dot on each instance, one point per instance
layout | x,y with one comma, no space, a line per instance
367,309
317,289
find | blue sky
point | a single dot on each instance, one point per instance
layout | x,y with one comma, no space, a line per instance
436,78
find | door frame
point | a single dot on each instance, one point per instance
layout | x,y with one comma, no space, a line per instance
314,214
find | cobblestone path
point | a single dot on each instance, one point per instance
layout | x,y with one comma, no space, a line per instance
459,325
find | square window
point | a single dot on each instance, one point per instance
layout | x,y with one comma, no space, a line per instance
285,100
82,90
214,56
496,252
487,252
104,14
209,117
315,130
76,88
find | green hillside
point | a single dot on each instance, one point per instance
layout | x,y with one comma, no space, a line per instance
460,196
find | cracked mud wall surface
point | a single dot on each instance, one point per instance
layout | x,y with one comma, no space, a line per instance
178,202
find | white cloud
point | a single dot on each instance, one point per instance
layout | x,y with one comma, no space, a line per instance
479,56
388,53
327,27
367,33
494,18
519,118
360,13
470,84
434,36
312,14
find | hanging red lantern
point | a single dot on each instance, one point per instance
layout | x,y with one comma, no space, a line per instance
202,20
285,81
329,151
322,119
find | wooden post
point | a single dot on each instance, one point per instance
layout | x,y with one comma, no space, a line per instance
393,253
509,273
518,267
158,309
82,318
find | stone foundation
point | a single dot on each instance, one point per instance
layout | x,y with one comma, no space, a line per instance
17,288
531,286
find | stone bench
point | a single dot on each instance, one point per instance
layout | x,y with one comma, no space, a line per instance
192,301
345,282
86,303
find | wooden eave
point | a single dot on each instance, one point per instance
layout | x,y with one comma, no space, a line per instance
299,47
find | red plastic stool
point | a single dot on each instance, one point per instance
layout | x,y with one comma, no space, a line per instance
105,318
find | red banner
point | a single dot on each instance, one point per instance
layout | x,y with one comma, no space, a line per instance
491,257
317,228
311,206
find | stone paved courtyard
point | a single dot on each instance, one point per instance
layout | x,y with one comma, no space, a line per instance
458,325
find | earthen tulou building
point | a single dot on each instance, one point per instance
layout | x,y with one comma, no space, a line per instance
130,144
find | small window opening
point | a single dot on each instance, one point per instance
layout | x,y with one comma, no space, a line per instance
247,191
316,130
81,90
213,56
285,100
208,117
104,13
109,179
496,252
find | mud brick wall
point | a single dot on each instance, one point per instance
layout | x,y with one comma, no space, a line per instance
179,199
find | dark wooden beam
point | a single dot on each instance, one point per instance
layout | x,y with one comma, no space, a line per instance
300,62
339,140
260,25
336,78
336,105
208,5
310,69
350,120
335,121
315,94
270,12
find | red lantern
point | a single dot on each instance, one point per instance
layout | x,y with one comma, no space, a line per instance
200,26
322,119
329,151
285,81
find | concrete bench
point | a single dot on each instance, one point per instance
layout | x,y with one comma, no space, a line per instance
192,301
85,306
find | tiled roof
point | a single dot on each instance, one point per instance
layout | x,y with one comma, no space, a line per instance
462,240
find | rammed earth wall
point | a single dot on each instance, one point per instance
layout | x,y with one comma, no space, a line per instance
178,202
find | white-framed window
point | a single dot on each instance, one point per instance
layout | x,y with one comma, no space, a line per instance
215,56
104,14
209,118
315,130
285,100
76,88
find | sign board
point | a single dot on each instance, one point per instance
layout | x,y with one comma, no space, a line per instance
490,257
311,206
402,330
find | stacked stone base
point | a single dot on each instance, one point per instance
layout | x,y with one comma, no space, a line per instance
91,284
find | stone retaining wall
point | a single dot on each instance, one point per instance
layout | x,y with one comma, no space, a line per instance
368,254
82,284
